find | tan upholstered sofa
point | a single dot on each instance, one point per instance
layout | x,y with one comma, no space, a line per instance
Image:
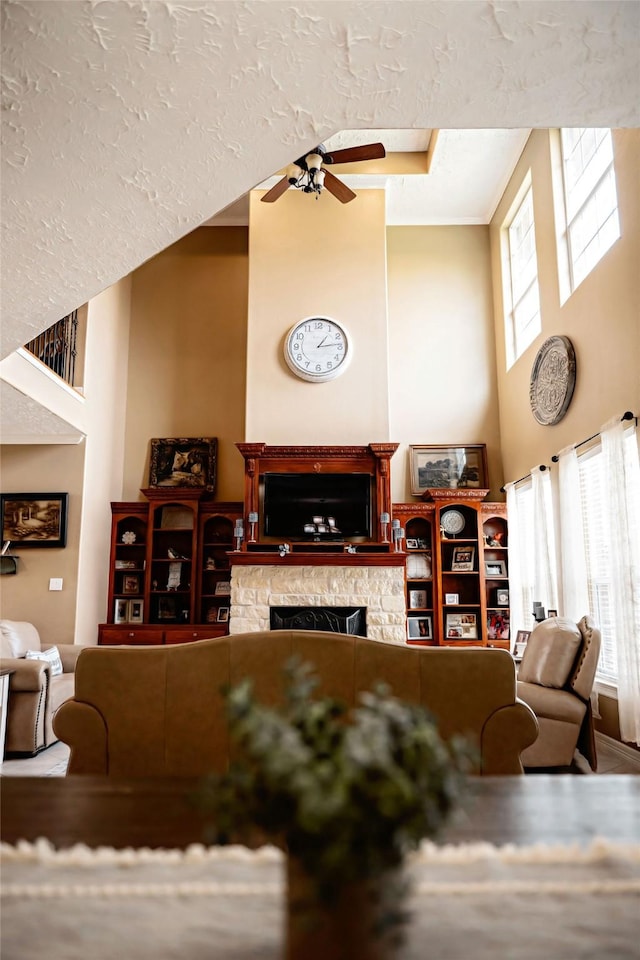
35,693
159,711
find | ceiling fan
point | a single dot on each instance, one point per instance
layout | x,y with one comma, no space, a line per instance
308,173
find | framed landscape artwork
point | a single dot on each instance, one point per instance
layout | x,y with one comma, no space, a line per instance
184,462
34,519
447,466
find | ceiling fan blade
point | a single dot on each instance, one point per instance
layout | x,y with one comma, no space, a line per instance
339,189
276,191
367,151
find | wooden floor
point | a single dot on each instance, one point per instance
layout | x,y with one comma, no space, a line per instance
53,762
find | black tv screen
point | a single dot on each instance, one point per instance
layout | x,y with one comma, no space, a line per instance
292,500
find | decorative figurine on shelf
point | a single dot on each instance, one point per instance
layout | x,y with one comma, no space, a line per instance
210,564
128,537
175,575
174,555
283,549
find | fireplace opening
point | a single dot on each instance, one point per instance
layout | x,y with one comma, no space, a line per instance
351,620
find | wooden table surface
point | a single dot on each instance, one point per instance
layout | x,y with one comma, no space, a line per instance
163,813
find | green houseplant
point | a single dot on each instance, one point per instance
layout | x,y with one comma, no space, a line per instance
346,794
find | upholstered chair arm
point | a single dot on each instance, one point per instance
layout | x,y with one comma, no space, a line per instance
82,727
28,675
69,653
505,735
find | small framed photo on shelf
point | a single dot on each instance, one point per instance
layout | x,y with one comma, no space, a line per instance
451,599
136,611
212,614
121,611
520,644
502,597
495,568
166,608
223,588
419,628
223,614
412,543
498,625
126,565
417,599
131,584
551,613
461,626
462,558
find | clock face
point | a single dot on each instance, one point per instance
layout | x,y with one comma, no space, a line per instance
317,349
452,522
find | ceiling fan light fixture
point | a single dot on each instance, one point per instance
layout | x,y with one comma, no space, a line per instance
294,172
314,161
319,180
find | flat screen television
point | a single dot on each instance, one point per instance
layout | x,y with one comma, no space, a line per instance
292,500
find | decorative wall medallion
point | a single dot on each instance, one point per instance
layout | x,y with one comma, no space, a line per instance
553,378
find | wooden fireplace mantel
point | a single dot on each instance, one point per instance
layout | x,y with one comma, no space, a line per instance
374,459
310,558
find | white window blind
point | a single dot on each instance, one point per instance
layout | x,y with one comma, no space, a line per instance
591,203
523,317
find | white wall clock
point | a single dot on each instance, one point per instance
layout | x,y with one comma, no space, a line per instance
317,349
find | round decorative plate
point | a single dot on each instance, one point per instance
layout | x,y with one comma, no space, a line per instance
452,522
553,378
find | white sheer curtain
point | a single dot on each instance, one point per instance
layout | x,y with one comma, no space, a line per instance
544,551
520,617
622,505
575,591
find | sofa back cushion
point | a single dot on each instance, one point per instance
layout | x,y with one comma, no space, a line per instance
52,656
18,636
550,653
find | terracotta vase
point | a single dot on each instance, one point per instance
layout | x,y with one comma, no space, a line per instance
364,922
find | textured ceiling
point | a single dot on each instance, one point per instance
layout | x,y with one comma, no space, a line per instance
127,124
468,172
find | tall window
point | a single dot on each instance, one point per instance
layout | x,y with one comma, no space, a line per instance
590,199
522,309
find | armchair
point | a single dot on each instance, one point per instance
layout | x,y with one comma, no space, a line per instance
34,693
555,679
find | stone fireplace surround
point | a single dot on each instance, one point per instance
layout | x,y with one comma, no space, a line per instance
376,583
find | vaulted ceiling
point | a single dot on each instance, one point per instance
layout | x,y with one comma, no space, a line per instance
128,124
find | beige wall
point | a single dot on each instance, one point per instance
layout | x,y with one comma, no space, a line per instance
105,380
602,317
26,596
441,348
317,257
187,353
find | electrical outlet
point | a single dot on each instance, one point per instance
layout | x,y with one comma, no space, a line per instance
55,583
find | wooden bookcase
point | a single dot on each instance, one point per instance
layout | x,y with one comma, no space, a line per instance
463,543
167,554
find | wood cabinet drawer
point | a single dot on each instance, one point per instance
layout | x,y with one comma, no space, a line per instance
110,635
189,634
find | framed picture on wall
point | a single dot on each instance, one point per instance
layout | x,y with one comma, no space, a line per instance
184,462
461,626
34,519
454,467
